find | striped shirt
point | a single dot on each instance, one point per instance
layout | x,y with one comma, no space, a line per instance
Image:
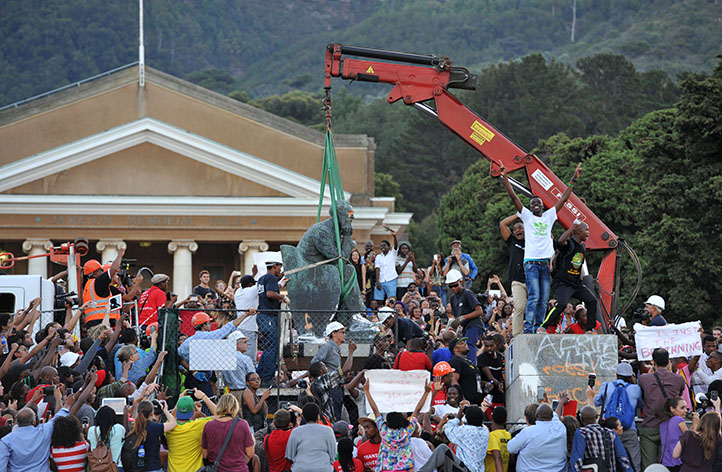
70,459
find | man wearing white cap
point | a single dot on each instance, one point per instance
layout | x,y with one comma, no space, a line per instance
466,310
269,306
330,355
235,380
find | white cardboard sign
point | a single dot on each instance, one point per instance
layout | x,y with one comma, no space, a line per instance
260,258
680,340
212,354
397,390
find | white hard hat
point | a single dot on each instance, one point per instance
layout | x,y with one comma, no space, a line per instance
453,276
656,468
384,313
236,336
656,300
333,326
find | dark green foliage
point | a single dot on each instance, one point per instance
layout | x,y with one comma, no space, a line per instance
657,185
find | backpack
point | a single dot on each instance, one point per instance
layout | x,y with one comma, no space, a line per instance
619,406
100,459
129,454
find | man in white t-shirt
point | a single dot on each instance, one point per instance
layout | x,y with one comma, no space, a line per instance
246,297
538,249
386,274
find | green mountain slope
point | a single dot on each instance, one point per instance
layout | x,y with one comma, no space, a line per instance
276,46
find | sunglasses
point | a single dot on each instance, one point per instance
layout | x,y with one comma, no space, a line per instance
454,285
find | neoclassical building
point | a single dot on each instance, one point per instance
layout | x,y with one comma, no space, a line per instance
184,178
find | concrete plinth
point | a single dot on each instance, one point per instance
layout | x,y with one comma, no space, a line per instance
538,364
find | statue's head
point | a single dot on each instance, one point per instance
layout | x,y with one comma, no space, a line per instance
344,213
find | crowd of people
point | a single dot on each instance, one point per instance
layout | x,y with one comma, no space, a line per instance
85,390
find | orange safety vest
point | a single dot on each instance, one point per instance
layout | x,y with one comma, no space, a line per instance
97,313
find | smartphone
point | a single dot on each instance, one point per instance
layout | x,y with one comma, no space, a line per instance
48,391
152,329
555,404
92,304
194,298
85,421
592,380
714,395
68,391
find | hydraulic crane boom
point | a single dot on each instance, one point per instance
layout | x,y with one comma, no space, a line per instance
424,78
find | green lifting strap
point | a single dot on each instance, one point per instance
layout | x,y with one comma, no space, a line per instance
332,174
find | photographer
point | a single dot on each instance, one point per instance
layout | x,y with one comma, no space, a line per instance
97,289
651,315
153,299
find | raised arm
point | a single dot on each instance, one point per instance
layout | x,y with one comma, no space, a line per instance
116,333
150,378
565,196
509,190
115,266
422,400
8,359
370,399
81,398
76,316
568,233
348,365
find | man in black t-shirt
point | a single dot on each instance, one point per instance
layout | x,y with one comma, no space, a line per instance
491,365
466,310
465,375
515,248
379,359
568,275
203,289
269,304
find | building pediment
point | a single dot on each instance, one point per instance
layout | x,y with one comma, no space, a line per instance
257,173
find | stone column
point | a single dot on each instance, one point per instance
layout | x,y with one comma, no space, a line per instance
182,278
247,249
33,247
109,249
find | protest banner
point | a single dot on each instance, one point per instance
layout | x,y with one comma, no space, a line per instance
397,390
680,340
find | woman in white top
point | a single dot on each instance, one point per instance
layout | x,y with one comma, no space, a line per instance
107,431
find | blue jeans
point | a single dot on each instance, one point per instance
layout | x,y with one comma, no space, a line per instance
388,289
538,284
268,343
473,333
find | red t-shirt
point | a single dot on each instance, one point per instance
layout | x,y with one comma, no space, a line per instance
358,466
412,361
440,398
368,452
274,445
150,301
577,329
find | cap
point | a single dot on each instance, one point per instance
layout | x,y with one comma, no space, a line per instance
442,368
455,341
624,369
656,300
366,419
236,336
69,358
158,278
384,313
273,262
247,281
333,326
341,428
453,276
147,328
184,408
101,377
200,318
91,266
455,241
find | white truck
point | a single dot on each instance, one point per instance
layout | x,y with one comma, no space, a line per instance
17,291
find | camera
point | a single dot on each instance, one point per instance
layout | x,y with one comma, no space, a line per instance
302,383
157,407
191,392
642,314
48,391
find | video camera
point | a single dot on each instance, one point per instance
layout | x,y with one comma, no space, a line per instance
642,314
126,279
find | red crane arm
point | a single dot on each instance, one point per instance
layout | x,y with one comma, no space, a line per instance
430,78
